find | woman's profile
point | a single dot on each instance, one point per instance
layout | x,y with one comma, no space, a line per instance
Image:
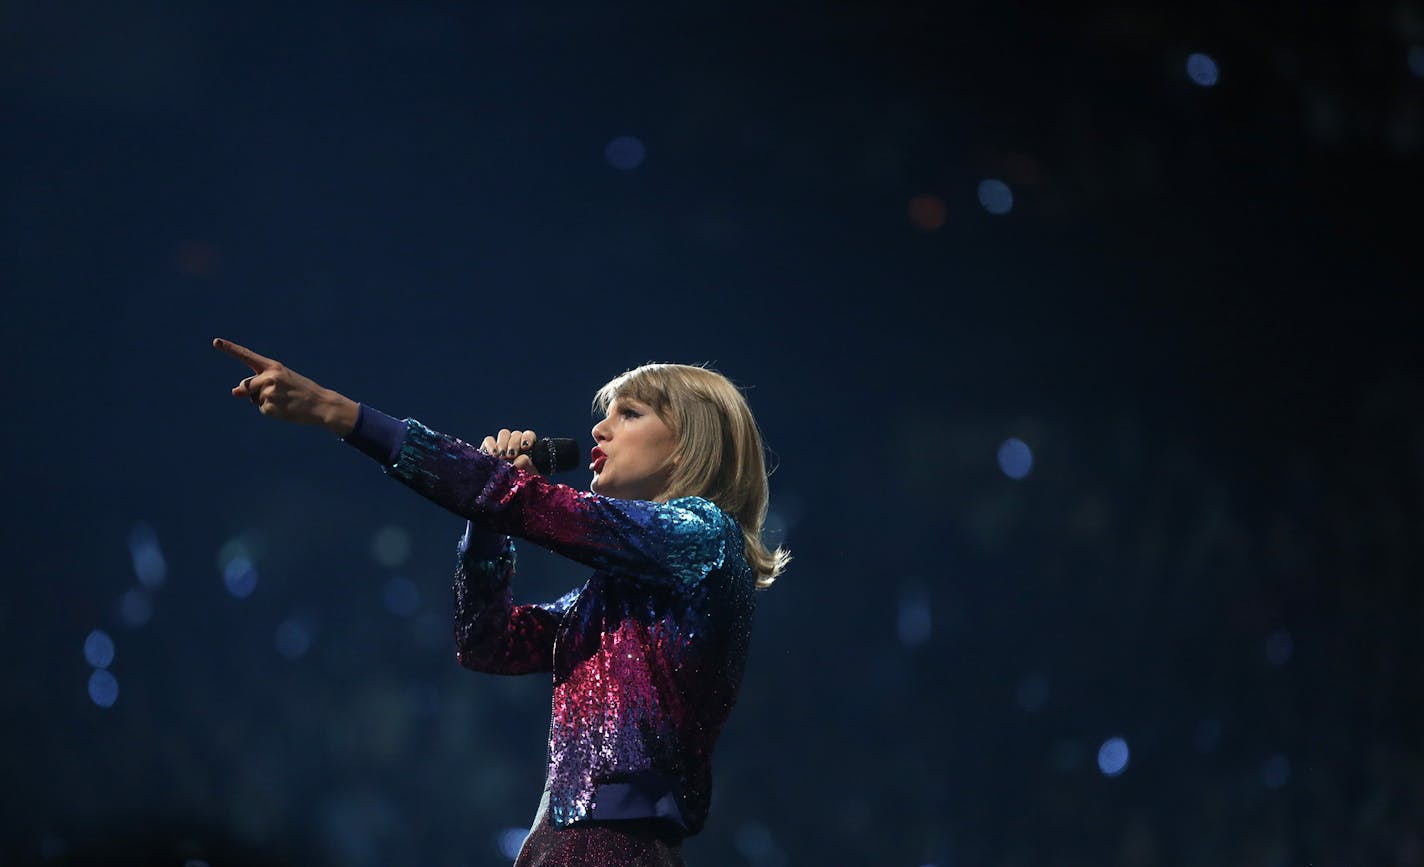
647,656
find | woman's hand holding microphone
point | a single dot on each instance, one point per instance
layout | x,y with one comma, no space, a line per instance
514,446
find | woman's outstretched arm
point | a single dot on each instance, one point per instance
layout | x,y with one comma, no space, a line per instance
674,544
491,633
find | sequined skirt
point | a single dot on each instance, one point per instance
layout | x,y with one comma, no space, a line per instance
620,843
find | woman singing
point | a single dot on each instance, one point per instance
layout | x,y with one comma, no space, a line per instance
647,656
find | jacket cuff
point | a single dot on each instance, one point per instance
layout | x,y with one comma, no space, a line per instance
377,435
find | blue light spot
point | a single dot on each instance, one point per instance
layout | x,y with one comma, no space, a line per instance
1202,69
231,550
135,607
1112,757
1416,61
402,597
756,843
1276,772
99,649
1279,647
1015,458
1207,736
625,152
103,688
148,562
511,841
294,638
914,623
1032,693
391,546
240,576
995,196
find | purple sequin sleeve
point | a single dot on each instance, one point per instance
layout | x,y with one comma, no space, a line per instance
673,544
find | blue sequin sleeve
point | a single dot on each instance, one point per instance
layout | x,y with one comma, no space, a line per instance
674,544
492,634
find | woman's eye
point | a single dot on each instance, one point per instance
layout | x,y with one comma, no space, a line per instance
631,413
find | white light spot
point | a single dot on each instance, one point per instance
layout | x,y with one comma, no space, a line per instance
1276,772
1032,693
103,688
402,597
99,649
625,152
995,196
1015,458
1279,647
240,576
135,607
391,546
914,623
1207,736
1112,757
148,563
1202,69
510,841
294,638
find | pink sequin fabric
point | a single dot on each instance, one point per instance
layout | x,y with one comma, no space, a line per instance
647,656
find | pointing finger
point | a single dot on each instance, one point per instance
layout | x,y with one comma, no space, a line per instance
258,363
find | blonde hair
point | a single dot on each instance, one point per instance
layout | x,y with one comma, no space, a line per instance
718,454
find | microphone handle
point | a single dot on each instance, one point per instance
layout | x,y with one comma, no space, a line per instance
554,455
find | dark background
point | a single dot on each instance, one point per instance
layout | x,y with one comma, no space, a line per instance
1199,314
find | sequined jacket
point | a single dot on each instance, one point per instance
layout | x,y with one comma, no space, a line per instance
647,656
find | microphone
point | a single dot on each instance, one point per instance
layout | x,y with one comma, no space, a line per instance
555,455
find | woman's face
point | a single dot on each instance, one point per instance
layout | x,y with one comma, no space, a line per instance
633,443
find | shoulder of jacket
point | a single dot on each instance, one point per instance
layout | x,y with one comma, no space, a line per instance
704,509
